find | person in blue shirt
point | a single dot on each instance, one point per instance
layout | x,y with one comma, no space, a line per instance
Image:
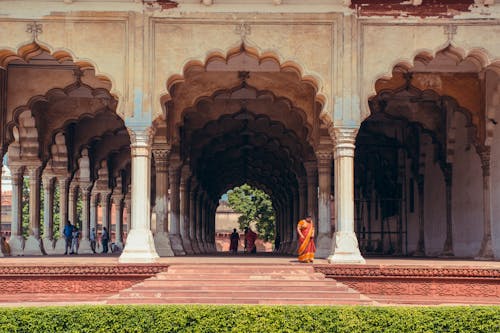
68,236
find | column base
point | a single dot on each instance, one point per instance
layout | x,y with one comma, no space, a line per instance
84,246
176,243
323,246
203,248
16,245
162,244
119,247
345,249
186,244
140,247
33,247
196,248
60,246
48,246
486,251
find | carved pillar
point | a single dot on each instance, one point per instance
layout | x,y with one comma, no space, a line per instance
140,246
324,238
161,238
89,216
48,216
175,227
34,245
204,222
345,244
420,251
16,241
105,208
128,208
63,183
312,191
116,201
184,210
296,217
72,198
94,206
192,219
486,251
448,244
199,227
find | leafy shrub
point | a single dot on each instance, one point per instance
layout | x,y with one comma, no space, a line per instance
246,319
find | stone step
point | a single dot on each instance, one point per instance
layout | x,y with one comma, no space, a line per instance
240,294
237,284
219,276
242,300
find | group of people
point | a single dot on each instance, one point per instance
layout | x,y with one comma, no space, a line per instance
250,237
305,233
72,238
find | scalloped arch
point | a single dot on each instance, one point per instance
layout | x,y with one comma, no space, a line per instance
32,49
479,56
217,55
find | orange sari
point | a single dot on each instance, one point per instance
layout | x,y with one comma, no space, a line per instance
306,244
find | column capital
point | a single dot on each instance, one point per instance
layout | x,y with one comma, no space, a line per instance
34,169
345,137
141,140
485,156
47,182
324,160
161,155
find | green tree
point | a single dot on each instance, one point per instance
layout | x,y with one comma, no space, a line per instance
255,206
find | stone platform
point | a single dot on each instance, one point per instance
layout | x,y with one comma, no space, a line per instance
240,279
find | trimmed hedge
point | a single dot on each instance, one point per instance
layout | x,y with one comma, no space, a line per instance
245,319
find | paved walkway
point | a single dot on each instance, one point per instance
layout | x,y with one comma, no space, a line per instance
240,258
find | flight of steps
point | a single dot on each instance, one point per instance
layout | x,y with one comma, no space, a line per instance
239,284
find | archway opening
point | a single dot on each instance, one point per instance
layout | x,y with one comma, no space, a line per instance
418,154
235,121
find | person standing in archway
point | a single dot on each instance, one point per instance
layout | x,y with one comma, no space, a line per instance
307,248
250,238
235,239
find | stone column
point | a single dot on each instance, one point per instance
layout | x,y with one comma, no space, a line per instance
94,207
106,218
324,238
72,198
34,244
345,245
161,238
16,241
89,216
116,201
174,233
48,216
296,217
486,251
420,251
312,191
192,219
128,207
184,210
448,244
63,213
204,223
140,246
199,227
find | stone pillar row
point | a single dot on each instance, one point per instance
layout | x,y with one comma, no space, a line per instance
37,245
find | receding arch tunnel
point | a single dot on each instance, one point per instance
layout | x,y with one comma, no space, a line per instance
249,123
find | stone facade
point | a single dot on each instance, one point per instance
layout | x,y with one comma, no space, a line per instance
385,109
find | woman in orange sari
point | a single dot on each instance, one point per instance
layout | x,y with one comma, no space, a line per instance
305,232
